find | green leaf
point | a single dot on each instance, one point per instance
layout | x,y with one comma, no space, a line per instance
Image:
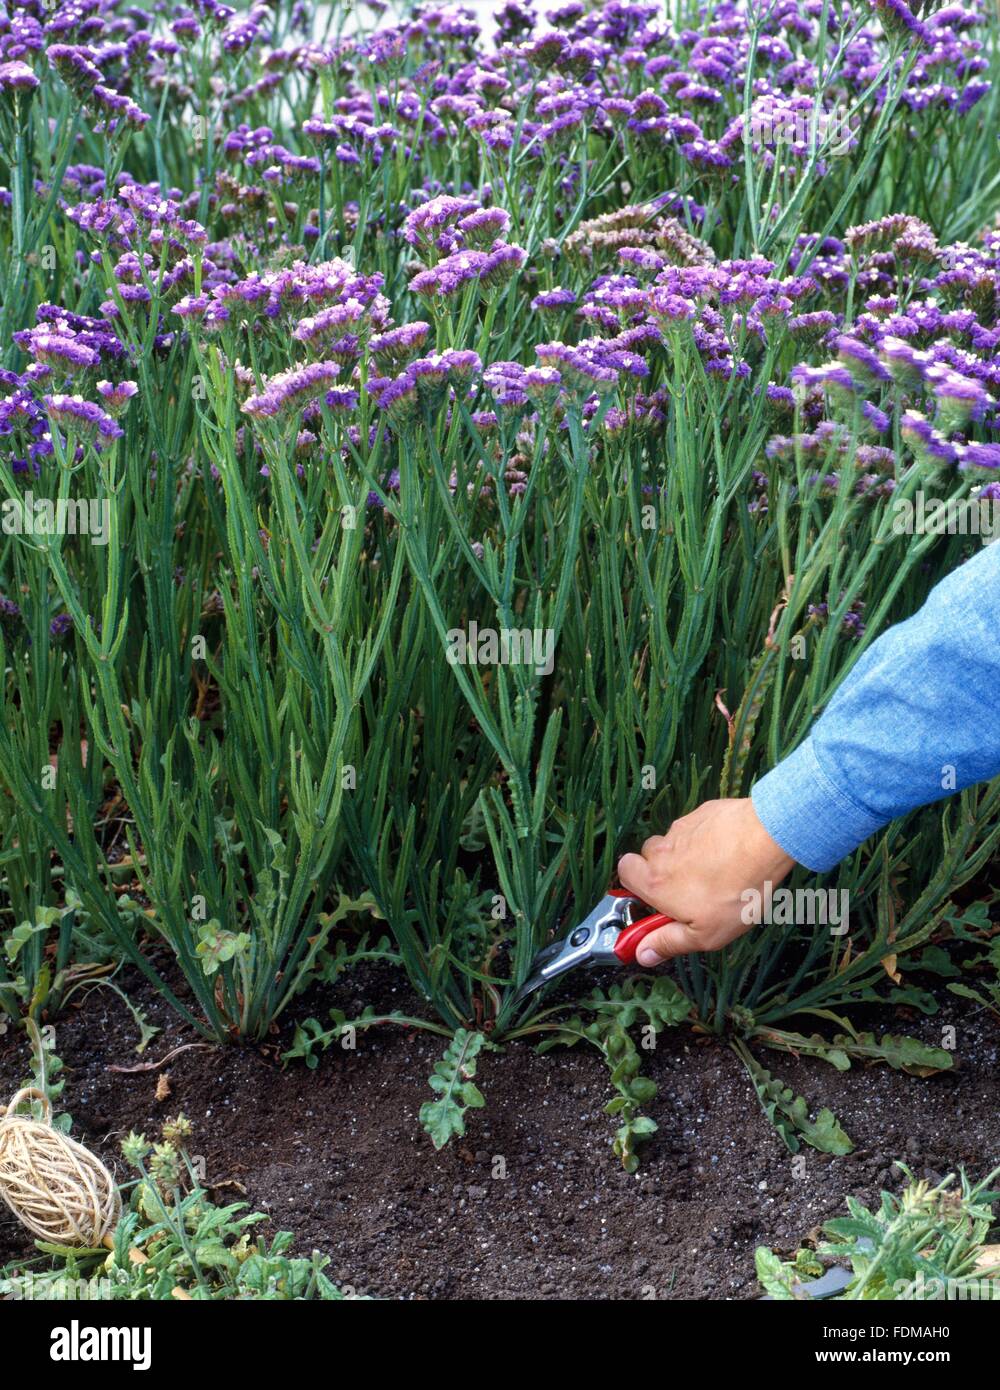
789,1113
967,992
774,1276
451,1080
899,1052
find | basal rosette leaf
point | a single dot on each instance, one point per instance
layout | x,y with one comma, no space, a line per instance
451,1080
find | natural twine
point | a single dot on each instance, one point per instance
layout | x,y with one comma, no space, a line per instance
61,1191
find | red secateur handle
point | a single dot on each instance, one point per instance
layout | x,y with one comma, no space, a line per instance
630,937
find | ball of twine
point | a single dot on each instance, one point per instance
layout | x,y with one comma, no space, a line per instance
61,1191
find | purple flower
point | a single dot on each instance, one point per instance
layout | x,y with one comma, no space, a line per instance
191,306
424,224
16,77
959,398
501,264
489,269
398,344
898,19
116,397
829,377
670,308
578,367
877,419
554,299
861,360
979,456
342,399
505,383
82,418
812,327
10,615
484,226
292,390
906,364
61,351
76,67
926,442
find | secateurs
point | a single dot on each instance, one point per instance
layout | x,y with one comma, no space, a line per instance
607,936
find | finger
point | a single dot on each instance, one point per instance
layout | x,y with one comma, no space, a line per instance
675,939
635,874
652,845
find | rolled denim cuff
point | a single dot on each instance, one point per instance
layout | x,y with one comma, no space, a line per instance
807,814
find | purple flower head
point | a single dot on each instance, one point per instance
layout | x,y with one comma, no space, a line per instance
831,376
707,157
542,384
501,264
876,419
16,78
906,363
643,258
545,50
82,418
398,398
430,375
292,390
927,443
505,383
554,299
59,626
62,351
959,398
861,359
10,616
490,270
669,308
397,345
781,398
342,399
192,306
462,365
900,21
329,332
425,223
449,276
116,397
981,456
76,67
579,368
812,327
484,227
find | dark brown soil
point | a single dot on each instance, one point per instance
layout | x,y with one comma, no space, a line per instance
532,1204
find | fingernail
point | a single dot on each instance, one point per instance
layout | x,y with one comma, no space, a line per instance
646,955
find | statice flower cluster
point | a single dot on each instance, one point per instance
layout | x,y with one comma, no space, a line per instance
25,430
292,390
851,338
461,243
425,380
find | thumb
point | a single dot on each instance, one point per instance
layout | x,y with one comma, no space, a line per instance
674,939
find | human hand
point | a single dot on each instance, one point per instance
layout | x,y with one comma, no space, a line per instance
698,873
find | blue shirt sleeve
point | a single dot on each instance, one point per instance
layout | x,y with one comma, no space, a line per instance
915,720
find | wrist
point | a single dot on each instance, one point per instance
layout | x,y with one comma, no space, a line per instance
769,859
